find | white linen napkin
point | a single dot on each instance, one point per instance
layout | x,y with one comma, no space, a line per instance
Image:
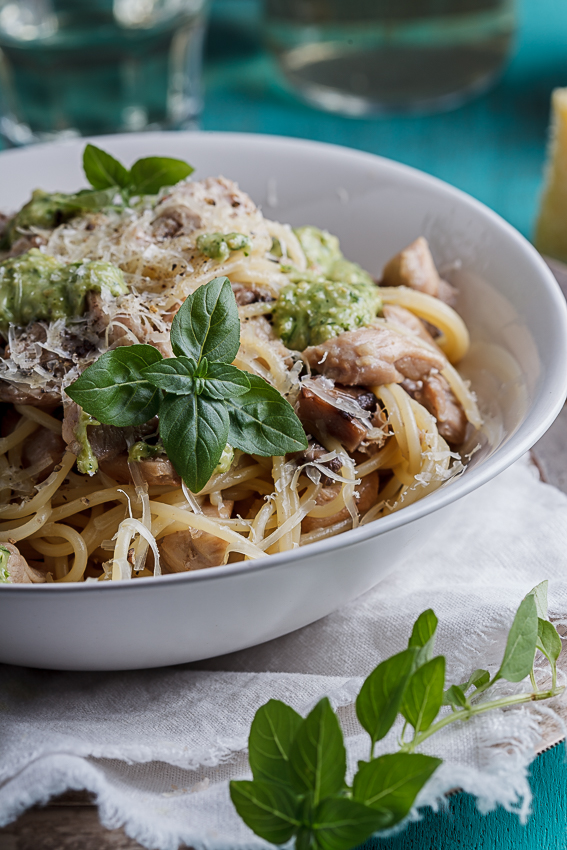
157,747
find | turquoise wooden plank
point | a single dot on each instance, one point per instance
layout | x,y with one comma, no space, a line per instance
461,827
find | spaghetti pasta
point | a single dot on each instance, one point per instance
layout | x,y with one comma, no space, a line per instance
375,444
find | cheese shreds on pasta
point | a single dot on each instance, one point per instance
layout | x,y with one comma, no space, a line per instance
380,399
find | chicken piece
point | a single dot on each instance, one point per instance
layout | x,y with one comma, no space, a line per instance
394,313
322,419
373,356
43,444
18,568
414,267
193,549
367,492
437,397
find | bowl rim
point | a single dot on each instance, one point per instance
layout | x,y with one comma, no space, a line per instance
527,433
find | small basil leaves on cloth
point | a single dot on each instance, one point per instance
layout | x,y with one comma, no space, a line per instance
203,402
299,788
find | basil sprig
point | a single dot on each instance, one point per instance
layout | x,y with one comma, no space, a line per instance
146,177
203,402
299,789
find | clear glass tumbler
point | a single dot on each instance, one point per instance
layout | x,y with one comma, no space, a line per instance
82,67
361,57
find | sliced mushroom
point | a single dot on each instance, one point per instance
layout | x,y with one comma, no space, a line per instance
250,294
193,549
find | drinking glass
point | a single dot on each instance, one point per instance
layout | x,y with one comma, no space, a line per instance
84,67
369,56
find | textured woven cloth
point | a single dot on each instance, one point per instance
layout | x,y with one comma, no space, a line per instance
158,747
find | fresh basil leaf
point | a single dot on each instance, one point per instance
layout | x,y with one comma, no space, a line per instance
102,170
272,732
113,389
207,324
317,755
423,635
521,644
269,810
340,824
194,431
381,695
548,641
173,375
539,593
455,696
392,782
224,381
149,175
423,696
262,422
479,679
424,629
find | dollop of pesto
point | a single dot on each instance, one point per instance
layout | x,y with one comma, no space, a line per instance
43,210
142,451
218,246
332,296
87,464
325,259
310,313
35,286
4,558
48,210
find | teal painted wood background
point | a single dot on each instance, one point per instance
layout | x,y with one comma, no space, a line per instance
492,148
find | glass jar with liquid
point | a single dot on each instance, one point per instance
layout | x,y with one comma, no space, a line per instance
85,67
361,57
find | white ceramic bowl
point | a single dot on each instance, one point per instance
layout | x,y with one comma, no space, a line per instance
518,362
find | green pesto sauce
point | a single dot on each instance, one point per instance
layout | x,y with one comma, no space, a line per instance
333,296
87,464
4,558
35,286
43,210
218,246
141,451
